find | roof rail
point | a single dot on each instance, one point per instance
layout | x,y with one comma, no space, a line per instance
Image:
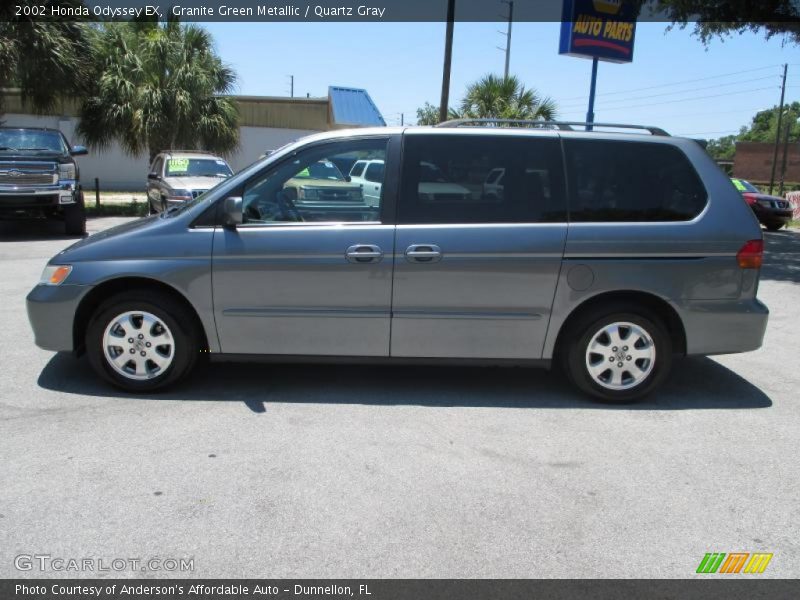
562,125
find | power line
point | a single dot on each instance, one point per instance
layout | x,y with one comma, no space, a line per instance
689,99
707,132
652,87
708,87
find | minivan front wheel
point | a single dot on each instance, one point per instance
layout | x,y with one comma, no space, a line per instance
620,356
142,341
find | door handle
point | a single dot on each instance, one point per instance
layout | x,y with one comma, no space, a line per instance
364,253
423,253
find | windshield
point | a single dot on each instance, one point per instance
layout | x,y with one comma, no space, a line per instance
321,170
197,167
744,186
31,140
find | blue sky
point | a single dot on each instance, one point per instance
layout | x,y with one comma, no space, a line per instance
400,64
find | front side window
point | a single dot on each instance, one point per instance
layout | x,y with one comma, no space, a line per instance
375,172
358,169
481,179
310,187
612,181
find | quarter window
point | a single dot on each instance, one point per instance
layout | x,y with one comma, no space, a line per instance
310,187
631,181
358,169
481,179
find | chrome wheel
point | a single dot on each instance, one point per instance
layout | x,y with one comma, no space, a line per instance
620,356
138,345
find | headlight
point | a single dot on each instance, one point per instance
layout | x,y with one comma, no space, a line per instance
55,274
307,194
66,171
356,194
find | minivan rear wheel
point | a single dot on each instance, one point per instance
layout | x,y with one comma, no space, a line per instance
142,341
618,355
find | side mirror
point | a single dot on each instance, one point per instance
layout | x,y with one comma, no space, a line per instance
232,211
78,151
152,175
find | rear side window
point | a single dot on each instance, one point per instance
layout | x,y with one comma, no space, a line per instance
631,181
457,179
374,172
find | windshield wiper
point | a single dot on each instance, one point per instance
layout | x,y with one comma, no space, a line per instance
37,149
7,148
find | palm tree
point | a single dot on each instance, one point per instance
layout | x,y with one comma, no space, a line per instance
494,97
159,86
45,59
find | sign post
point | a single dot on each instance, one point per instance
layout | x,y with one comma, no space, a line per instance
600,30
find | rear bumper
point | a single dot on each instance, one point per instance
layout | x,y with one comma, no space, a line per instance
51,312
724,327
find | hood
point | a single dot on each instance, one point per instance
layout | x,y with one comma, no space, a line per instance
306,182
193,183
122,232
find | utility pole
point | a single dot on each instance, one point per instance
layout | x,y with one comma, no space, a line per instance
785,152
402,119
448,56
508,33
291,86
592,87
778,131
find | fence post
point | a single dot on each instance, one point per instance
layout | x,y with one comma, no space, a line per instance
96,192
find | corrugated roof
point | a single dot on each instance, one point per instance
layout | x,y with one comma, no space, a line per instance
353,106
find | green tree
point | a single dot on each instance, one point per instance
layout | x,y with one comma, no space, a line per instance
723,148
722,18
762,128
494,97
428,114
45,58
159,86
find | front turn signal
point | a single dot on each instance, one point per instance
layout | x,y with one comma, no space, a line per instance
55,274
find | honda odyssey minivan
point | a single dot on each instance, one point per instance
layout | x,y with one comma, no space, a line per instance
608,253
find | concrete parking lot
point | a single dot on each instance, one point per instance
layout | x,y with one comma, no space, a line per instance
354,471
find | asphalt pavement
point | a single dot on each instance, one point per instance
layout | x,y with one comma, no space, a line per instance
364,471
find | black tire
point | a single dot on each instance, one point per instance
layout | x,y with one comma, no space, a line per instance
580,333
773,226
185,336
75,218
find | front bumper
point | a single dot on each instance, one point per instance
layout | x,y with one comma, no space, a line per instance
51,312
774,215
20,198
723,327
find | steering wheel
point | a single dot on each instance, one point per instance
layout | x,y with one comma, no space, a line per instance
287,207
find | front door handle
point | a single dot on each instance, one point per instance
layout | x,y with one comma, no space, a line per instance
364,253
423,253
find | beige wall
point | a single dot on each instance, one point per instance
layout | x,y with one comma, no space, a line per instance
119,171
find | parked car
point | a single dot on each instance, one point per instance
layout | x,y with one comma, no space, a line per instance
39,177
177,176
632,250
773,212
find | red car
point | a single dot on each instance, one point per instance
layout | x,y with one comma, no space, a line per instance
772,211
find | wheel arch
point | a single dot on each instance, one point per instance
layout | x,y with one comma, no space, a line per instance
101,292
656,304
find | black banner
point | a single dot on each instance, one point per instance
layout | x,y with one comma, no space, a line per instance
319,11
744,587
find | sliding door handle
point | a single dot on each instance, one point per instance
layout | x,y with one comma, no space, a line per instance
423,253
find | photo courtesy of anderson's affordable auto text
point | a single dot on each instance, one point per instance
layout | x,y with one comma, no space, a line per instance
420,299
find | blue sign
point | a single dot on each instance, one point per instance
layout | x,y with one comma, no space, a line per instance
602,29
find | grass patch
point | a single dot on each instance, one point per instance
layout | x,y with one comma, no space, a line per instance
117,209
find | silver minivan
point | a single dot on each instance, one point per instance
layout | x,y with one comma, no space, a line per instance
605,252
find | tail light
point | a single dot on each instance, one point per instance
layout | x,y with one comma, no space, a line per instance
750,197
751,255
